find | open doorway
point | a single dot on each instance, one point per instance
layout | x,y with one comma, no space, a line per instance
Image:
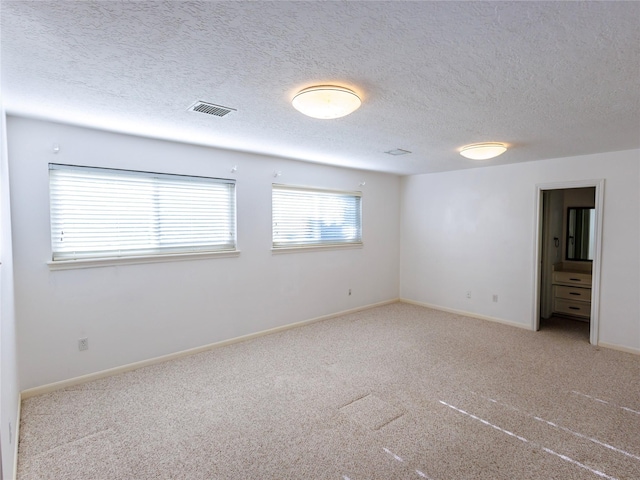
567,256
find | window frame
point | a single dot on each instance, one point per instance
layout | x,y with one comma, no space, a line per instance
277,247
175,253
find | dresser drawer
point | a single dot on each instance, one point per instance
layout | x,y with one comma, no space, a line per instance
572,293
579,309
570,278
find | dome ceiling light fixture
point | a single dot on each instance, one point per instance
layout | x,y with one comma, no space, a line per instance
483,151
326,101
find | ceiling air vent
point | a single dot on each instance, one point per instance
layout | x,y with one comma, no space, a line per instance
210,109
398,151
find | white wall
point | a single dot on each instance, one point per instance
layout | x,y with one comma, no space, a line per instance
136,312
474,230
9,391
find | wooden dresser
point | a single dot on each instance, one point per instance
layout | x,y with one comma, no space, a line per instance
572,293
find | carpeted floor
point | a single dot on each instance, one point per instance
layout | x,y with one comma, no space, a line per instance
395,392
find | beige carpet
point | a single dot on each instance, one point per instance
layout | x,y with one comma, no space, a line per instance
396,392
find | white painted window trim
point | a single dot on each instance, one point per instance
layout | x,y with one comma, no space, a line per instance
135,260
316,248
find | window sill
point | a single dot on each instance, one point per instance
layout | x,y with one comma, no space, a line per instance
116,261
315,248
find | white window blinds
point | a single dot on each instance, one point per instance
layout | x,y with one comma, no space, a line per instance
103,213
305,217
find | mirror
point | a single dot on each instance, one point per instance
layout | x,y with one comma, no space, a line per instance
580,233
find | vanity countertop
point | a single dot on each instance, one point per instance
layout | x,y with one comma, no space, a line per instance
561,267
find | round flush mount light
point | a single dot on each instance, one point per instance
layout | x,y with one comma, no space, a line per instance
483,151
326,101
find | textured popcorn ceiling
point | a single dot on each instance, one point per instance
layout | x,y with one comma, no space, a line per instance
551,79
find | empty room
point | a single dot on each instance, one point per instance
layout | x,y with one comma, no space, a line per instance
319,240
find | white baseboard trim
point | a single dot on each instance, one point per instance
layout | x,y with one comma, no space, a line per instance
51,387
467,314
620,348
612,346
16,439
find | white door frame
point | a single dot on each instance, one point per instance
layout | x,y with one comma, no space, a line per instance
595,286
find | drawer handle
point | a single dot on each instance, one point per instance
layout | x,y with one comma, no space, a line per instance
575,293
575,279
574,308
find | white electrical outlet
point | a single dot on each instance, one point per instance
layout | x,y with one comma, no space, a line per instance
83,344
468,293
495,298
